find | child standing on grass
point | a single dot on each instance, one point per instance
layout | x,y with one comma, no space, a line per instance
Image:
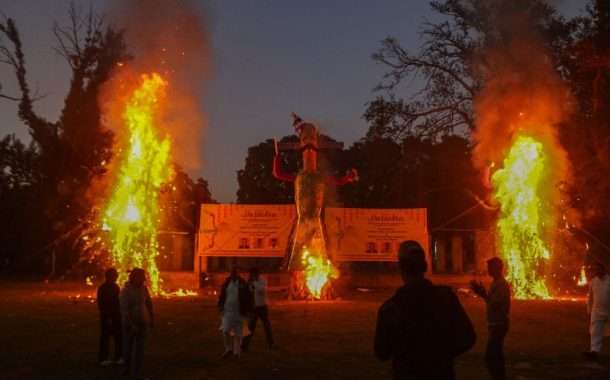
137,312
598,307
497,299
110,318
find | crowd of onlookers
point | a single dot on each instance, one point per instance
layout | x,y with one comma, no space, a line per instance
422,328
126,315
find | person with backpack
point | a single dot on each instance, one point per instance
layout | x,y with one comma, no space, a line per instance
497,299
423,327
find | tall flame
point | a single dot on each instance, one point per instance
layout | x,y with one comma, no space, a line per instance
132,212
523,215
318,272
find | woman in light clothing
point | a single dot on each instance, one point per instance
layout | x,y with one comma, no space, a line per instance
234,304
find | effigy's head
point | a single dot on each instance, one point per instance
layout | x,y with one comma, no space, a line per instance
307,132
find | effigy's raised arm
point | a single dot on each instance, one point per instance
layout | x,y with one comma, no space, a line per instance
277,168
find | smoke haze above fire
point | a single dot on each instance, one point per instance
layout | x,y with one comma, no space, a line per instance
521,92
171,38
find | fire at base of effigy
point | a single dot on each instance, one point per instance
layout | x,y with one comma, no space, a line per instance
311,269
315,280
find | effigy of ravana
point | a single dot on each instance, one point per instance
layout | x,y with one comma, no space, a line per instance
310,187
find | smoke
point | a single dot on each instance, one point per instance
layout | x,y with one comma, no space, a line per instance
170,38
522,94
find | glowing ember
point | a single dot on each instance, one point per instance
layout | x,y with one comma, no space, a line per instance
582,280
318,272
89,280
180,293
131,215
518,188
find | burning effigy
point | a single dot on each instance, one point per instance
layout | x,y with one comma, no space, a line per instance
518,111
151,105
131,216
308,261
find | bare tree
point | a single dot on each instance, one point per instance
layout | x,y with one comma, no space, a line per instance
446,73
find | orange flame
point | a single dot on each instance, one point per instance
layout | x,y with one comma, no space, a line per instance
521,101
180,293
131,215
318,273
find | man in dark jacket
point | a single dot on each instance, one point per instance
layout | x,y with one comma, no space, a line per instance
234,303
423,327
498,308
110,318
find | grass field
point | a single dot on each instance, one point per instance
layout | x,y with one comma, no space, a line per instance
48,333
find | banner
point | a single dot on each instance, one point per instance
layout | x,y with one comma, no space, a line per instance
352,234
373,234
245,230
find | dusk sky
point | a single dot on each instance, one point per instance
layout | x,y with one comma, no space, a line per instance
269,58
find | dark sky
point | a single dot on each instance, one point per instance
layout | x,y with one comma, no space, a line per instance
269,58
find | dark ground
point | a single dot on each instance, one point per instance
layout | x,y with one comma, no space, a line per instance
47,333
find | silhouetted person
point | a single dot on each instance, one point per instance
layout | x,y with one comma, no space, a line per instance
110,318
498,308
258,289
598,306
423,327
138,319
234,304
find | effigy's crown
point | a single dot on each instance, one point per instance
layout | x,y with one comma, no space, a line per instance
307,132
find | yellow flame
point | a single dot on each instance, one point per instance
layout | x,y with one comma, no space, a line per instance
180,293
518,188
131,215
318,272
582,280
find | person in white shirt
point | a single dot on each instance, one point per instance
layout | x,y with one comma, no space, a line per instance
598,307
235,305
258,287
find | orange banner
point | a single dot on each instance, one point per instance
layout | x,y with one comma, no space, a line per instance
353,234
245,230
356,234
